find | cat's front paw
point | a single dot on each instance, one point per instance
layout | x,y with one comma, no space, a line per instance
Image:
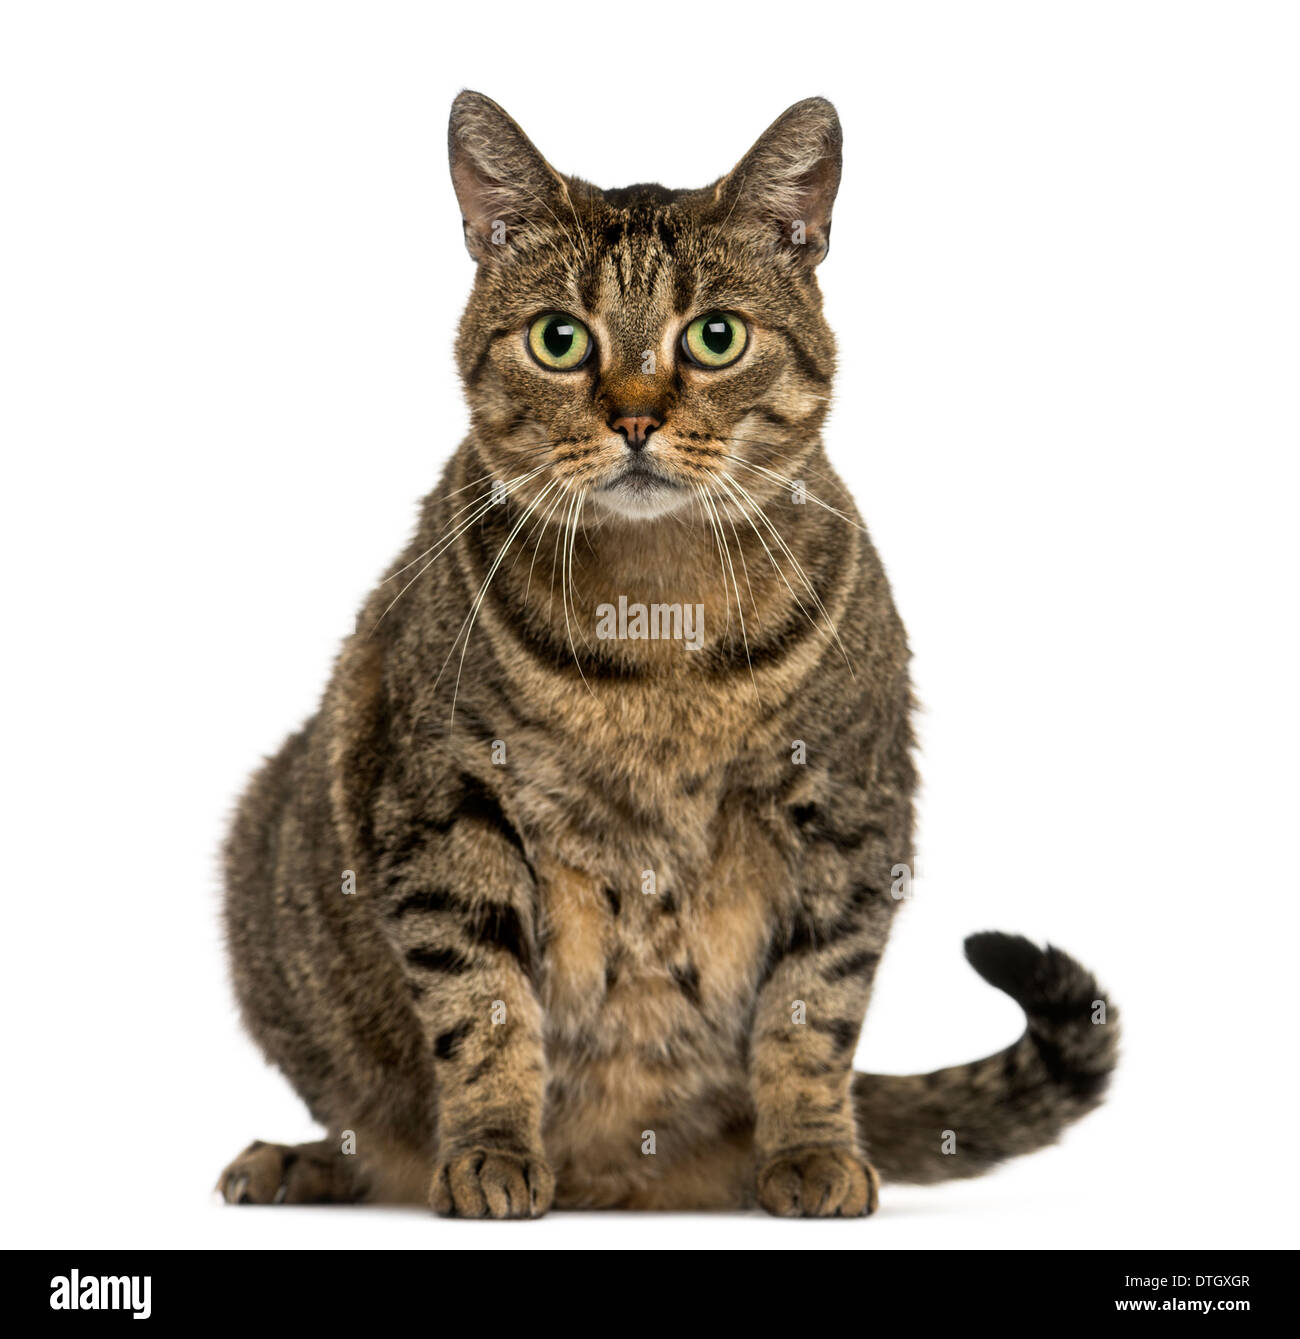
492,1183
818,1183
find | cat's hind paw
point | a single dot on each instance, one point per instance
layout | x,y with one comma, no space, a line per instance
287,1174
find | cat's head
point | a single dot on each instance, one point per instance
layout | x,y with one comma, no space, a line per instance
642,344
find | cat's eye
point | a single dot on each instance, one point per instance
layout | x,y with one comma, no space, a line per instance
715,340
559,341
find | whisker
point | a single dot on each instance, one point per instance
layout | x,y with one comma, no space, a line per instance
441,549
578,499
555,557
468,626
740,548
441,545
735,586
542,529
792,484
526,451
731,483
771,557
510,484
717,539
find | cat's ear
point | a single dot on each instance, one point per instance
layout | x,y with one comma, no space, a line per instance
502,182
786,183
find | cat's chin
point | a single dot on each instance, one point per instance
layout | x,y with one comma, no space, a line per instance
640,499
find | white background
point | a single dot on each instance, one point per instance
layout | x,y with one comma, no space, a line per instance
1065,283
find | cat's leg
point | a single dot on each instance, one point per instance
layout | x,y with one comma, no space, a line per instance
457,903
810,1011
854,831
317,1173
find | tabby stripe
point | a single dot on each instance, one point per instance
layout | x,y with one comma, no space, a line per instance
843,1032
736,658
429,901
806,935
495,925
552,653
814,825
688,981
772,417
438,960
650,271
1077,1080
803,360
479,803
448,1043
475,803
683,289
483,1066
480,362
857,965
667,233
498,926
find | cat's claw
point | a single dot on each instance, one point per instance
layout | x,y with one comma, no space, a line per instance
285,1174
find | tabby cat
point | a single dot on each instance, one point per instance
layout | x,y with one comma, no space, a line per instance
573,890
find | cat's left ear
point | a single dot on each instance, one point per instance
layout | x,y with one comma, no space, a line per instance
503,184
786,183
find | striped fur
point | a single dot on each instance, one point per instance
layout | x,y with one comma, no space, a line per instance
618,903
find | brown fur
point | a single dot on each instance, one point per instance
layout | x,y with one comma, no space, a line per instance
501,1013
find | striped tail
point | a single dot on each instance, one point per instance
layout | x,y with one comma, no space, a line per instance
963,1121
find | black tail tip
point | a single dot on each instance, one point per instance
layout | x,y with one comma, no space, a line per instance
1034,977
1005,961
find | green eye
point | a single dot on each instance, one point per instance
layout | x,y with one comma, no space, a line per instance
715,340
559,341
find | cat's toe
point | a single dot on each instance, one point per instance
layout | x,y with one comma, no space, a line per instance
254,1176
286,1174
818,1183
492,1183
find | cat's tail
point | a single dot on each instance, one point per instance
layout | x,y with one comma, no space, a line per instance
962,1121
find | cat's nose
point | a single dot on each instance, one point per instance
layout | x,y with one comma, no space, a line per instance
635,425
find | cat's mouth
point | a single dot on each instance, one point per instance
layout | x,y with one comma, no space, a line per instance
640,490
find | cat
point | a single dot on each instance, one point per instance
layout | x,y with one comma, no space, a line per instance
541,910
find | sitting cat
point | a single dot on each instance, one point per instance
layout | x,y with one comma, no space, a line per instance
538,909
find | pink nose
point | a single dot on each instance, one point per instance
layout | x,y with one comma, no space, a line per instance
635,426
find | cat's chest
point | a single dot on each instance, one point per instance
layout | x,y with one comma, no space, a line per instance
641,956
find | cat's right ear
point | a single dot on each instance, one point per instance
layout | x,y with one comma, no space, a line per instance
503,184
